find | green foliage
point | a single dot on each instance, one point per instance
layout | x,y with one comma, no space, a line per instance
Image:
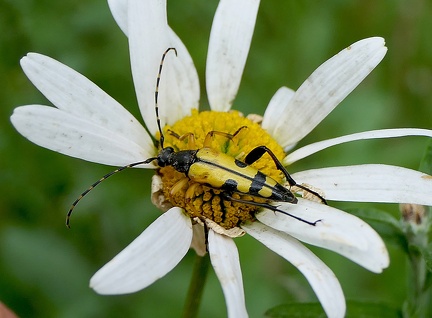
296,310
426,162
45,268
427,255
355,309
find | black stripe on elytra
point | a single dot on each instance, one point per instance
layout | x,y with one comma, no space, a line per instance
230,185
240,164
257,183
275,196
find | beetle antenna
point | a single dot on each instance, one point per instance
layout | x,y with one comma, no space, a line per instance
147,161
82,195
161,140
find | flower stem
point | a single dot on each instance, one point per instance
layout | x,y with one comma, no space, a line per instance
417,298
416,224
196,286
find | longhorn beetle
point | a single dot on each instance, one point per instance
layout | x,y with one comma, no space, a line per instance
218,170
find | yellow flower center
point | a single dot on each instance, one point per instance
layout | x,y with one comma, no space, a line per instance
197,199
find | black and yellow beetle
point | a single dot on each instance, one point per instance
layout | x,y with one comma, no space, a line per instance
218,170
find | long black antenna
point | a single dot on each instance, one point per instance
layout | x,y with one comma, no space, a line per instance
82,195
147,161
162,138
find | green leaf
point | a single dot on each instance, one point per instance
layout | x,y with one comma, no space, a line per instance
427,255
426,162
358,309
296,310
385,224
376,215
428,281
355,309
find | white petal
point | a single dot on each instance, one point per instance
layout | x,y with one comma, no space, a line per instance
321,278
74,136
199,240
230,40
75,94
373,134
186,78
338,231
225,260
328,85
149,257
275,108
119,10
370,183
150,36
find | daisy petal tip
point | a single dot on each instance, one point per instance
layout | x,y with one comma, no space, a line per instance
30,56
385,261
97,285
381,262
16,117
386,258
374,41
372,44
381,39
25,59
101,285
378,39
32,59
380,45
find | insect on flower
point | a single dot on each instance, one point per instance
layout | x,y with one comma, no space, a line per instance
219,171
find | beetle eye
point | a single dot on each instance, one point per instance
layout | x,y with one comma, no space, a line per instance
163,159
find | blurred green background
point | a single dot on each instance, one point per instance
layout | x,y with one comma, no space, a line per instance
45,268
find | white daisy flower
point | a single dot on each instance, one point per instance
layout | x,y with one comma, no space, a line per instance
87,123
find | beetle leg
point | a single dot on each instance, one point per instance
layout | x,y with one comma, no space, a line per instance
210,135
266,206
173,133
189,136
259,151
178,186
190,192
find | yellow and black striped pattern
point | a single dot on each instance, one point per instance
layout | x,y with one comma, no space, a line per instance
221,171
